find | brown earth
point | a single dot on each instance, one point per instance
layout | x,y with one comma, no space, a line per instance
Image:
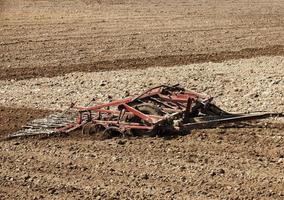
138,63
12,119
243,163
54,37
47,38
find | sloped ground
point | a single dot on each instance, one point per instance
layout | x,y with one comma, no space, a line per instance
41,42
244,162
47,38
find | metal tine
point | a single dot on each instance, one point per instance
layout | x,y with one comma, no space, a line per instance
44,125
30,134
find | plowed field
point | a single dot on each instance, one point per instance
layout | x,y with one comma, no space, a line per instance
53,52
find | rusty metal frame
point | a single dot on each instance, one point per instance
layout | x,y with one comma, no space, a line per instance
173,99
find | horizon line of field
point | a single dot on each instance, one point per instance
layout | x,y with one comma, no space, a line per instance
139,63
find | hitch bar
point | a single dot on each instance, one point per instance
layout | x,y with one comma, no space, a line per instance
229,119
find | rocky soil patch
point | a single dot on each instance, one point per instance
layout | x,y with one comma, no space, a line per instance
254,84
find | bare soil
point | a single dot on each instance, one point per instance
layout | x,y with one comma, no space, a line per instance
41,41
47,38
220,163
243,85
12,119
138,63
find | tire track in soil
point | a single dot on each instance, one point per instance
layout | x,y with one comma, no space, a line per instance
138,63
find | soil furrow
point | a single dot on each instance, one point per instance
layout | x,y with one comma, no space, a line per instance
138,63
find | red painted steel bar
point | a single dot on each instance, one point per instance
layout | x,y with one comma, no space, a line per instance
139,114
113,103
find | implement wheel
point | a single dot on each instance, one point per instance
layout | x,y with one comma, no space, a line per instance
91,129
109,133
96,128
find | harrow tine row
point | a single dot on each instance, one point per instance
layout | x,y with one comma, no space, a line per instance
32,133
45,126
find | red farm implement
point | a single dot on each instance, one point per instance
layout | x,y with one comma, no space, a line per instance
160,111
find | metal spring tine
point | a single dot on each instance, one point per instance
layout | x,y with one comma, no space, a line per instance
52,123
45,125
30,134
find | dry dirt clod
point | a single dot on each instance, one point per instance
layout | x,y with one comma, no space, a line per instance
121,142
217,172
